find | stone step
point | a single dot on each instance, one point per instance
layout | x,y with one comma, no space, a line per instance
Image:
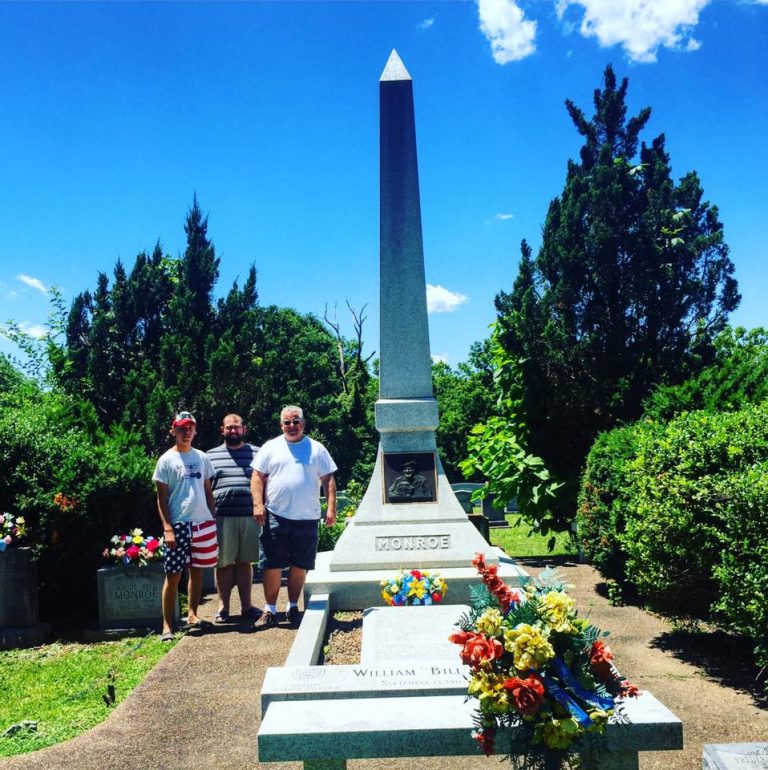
439,725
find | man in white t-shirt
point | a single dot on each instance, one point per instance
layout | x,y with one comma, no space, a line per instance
288,472
186,506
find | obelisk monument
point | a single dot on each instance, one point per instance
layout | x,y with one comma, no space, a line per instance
409,516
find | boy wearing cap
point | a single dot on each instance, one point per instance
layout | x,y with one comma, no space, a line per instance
186,506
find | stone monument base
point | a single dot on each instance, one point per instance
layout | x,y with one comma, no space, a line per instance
361,588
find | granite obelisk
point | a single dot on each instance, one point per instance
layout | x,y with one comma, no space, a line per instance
409,514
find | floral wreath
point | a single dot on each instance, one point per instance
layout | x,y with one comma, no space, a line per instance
537,667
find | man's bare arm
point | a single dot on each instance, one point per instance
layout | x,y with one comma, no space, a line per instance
258,485
329,485
164,509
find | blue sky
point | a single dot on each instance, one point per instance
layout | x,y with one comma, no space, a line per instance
112,115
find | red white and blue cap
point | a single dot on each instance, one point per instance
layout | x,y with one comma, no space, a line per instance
184,418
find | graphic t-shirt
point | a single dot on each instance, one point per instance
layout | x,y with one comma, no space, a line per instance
294,470
185,474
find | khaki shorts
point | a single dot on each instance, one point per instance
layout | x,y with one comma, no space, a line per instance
238,539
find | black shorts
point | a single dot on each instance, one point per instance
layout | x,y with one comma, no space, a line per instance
288,542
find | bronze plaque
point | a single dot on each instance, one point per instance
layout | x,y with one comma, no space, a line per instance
409,477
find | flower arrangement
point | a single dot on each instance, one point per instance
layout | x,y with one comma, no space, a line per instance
134,548
537,668
413,588
12,529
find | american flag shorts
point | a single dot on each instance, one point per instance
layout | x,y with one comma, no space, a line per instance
196,546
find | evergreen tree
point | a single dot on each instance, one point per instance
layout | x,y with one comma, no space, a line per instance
631,284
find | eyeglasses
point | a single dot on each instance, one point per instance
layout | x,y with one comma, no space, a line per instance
287,423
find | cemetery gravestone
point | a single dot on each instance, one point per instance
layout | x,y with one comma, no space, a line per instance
130,596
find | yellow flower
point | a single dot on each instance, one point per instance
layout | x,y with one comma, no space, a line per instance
556,733
557,607
489,689
489,623
600,719
529,645
418,589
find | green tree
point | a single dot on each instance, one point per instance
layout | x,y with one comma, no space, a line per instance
631,284
465,397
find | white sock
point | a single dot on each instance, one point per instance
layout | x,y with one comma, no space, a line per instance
292,604
271,608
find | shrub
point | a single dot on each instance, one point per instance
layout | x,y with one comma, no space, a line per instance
604,497
75,488
677,511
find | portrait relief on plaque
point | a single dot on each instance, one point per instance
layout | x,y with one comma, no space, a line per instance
409,477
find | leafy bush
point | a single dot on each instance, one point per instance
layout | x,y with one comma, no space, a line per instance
75,487
681,508
604,497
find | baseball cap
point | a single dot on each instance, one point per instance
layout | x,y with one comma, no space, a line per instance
184,418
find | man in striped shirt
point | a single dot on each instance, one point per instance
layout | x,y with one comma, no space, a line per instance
237,529
186,506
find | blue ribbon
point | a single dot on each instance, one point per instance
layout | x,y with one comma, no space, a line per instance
562,697
569,680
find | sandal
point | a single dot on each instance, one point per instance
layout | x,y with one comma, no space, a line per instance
167,636
222,616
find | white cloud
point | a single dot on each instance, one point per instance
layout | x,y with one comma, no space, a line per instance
639,26
440,300
439,358
510,34
427,23
11,294
33,330
505,216
35,283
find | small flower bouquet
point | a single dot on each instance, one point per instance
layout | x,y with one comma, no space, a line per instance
12,529
134,548
537,669
413,588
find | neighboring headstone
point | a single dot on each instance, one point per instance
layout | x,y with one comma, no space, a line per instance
19,619
735,756
392,634
130,596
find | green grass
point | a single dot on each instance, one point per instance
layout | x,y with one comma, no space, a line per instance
516,542
61,687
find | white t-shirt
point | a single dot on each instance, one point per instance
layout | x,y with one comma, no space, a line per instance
185,474
294,470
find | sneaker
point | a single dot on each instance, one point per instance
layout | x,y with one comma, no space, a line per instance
251,614
293,616
266,620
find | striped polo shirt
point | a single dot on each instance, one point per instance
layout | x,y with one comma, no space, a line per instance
232,480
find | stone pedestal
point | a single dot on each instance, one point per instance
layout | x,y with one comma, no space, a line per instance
19,619
130,596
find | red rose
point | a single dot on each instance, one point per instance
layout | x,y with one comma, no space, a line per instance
132,552
486,737
460,637
601,657
628,690
416,574
479,562
436,597
479,650
152,544
527,694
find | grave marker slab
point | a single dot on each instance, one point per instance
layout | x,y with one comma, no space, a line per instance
394,634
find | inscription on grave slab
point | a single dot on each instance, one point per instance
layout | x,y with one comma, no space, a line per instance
409,477
418,678
413,542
